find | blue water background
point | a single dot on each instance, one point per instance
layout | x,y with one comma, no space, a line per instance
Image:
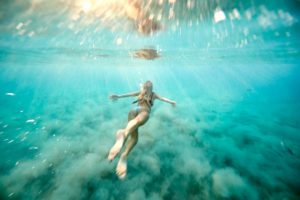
234,133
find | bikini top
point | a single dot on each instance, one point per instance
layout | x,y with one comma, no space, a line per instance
151,101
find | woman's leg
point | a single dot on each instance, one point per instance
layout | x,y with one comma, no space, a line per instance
120,140
132,130
133,124
131,143
122,164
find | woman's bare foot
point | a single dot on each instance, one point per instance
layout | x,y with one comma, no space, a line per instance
117,146
122,167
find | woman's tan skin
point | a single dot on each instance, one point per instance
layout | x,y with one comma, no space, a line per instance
134,122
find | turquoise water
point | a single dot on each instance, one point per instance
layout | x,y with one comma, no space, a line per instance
235,133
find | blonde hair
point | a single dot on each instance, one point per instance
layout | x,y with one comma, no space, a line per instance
144,96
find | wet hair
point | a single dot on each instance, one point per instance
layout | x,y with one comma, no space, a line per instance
144,95
147,84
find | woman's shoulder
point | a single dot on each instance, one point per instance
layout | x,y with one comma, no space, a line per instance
155,95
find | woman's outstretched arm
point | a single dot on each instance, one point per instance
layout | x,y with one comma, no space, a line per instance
115,97
165,100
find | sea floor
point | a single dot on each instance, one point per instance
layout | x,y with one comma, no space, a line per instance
233,135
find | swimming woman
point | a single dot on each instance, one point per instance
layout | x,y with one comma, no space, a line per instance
137,117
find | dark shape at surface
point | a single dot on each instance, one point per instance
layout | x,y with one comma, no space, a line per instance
147,54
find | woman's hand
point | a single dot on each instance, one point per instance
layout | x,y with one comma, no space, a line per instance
113,97
174,104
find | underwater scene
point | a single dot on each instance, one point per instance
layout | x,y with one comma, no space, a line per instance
149,99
